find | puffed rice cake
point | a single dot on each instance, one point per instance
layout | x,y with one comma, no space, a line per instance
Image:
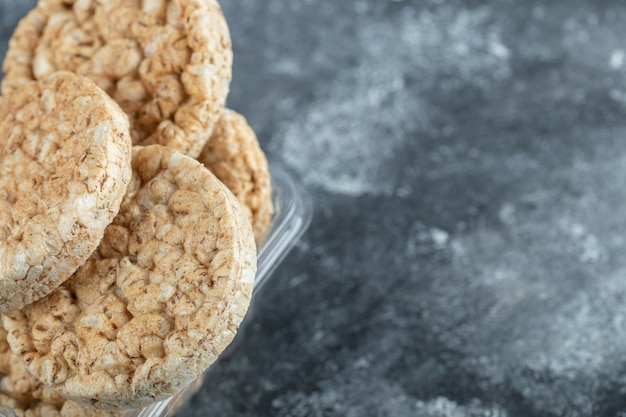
167,63
65,154
234,155
28,397
157,302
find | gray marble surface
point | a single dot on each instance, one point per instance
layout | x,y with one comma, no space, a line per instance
467,160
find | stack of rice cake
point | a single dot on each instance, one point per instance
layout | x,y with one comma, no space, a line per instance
132,202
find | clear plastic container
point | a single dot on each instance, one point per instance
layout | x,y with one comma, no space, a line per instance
293,216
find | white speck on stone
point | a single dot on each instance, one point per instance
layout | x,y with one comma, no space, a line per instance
617,95
575,230
507,214
458,250
425,240
461,49
444,407
404,192
586,244
592,251
362,363
298,280
617,59
287,67
498,49
440,238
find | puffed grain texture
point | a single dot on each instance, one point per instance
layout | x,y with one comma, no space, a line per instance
157,302
166,62
65,154
28,397
234,155
18,384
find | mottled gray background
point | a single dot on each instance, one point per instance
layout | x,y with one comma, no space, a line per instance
468,165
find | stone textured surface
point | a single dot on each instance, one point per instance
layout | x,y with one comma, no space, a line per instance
468,162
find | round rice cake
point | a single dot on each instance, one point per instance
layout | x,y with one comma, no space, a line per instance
168,63
157,302
28,397
234,155
65,154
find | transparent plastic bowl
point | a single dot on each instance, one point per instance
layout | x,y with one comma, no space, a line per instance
293,216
